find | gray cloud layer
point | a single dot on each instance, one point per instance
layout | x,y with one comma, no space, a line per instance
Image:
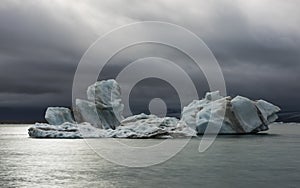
41,42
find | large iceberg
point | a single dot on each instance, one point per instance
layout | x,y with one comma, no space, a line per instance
101,117
239,115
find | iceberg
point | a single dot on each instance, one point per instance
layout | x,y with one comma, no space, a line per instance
58,115
86,112
239,115
106,95
139,126
149,125
66,130
267,111
101,117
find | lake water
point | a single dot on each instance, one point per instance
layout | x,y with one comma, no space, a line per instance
264,160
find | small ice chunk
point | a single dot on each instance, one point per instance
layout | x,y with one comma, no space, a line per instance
212,96
267,110
58,115
66,130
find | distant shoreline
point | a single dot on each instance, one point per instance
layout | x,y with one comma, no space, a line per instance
21,122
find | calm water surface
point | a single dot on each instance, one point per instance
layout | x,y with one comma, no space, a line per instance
267,160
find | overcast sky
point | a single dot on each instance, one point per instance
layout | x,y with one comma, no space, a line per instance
257,44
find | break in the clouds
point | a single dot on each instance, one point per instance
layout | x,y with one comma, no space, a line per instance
257,44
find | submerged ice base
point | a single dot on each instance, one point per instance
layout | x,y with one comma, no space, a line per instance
101,117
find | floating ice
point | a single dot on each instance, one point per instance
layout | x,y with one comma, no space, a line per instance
66,130
101,117
106,95
144,124
86,112
241,114
139,126
267,110
58,115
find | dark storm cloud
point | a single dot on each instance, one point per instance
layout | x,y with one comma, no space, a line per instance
257,45
38,55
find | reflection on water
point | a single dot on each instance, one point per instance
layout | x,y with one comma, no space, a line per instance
233,161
